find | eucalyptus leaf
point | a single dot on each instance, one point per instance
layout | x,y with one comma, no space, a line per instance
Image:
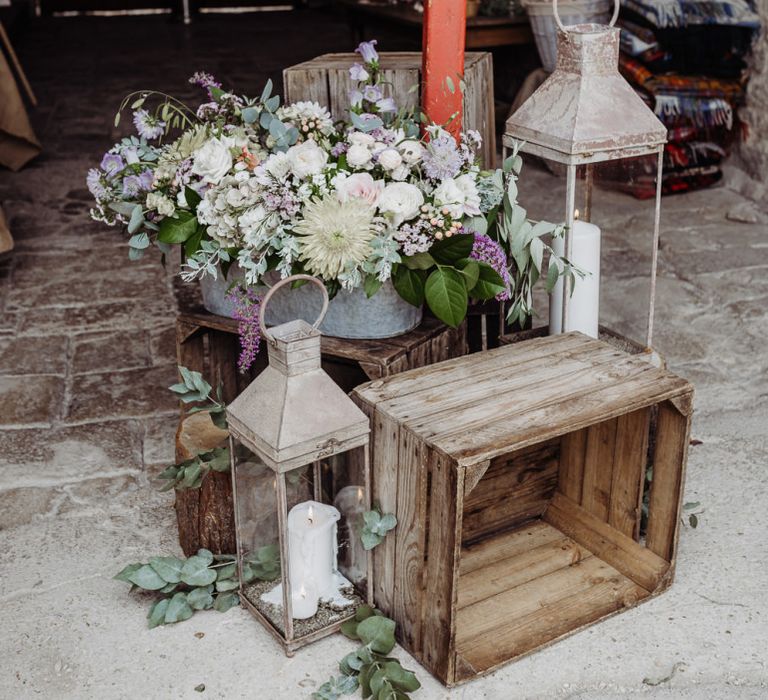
200,599
378,633
157,612
226,585
195,572
147,578
136,220
126,572
225,601
139,241
169,568
178,609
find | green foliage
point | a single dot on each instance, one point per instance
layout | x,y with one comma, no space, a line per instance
186,585
378,675
262,563
375,527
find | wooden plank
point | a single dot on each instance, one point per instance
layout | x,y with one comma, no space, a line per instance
630,558
672,437
514,637
629,461
598,468
223,350
309,84
515,571
516,488
409,537
472,476
571,475
441,566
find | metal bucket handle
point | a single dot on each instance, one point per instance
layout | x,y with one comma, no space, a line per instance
563,28
289,280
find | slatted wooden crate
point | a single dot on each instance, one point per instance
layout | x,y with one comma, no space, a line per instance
326,80
209,344
517,477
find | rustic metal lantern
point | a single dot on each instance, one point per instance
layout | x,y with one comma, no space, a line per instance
585,115
301,483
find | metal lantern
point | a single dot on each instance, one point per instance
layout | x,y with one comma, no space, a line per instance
301,484
586,114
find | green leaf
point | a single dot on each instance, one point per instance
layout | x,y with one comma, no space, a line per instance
147,578
225,601
446,295
267,91
693,519
370,540
192,474
489,283
408,285
169,588
200,598
349,629
476,223
227,571
135,253
126,573
537,252
388,522
157,612
371,285
226,585
419,261
690,505
471,271
178,609
195,572
218,459
192,197
450,250
140,241
137,219
179,229
378,632
250,115
205,554
400,677
363,612
169,568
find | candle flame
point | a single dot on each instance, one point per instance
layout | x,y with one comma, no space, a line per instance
311,515
576,214
303,591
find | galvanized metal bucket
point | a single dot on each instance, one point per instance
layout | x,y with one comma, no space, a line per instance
350,314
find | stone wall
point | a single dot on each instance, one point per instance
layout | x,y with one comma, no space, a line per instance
754,151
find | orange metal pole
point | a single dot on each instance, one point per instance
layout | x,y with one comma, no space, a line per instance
443,61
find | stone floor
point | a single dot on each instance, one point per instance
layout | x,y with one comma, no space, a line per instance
87,351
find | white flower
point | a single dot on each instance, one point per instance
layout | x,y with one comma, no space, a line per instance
161,204
359,186
459,196
358,156
411,151
401,172
360,138
389,159
181,199
255,225
307,159
277,166
213,160
401,200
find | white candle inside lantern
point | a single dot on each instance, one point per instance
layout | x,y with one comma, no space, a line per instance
584,304
303,603
351,503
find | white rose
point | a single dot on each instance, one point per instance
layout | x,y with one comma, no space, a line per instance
468,186
402,200
358,156
401,172
459,196
307,159
360,138
411,151
359,186
213,160
390,159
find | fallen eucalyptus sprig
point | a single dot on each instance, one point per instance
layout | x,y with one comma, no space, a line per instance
378,675
201,582
375,527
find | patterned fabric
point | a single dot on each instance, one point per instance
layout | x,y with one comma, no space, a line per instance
684,13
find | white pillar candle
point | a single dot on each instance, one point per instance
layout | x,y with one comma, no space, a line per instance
351,503
584,305
304,602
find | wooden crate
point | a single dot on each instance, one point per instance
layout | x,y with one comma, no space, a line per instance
326,80
517,476
209,344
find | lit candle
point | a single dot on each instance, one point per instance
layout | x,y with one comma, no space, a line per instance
303,603
584,304
351,502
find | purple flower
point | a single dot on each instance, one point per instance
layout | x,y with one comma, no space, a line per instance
442,159
205,81
95,184
358,72
372,93
386,104
112,164
148,126
338,149
367,51
131,186
355,98
247,304
145,180
486,250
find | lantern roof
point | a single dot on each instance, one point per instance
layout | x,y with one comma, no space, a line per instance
585,111
293,413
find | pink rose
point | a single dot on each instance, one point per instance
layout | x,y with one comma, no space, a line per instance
360,186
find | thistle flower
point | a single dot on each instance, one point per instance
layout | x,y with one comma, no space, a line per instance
335,236
95,184
442,159
147,125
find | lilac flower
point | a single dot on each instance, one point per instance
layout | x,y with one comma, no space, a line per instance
205,81
367,51
372,93
339,148
386,104
95,184
486,250
147,125
112,164
358,72
247,304
442,159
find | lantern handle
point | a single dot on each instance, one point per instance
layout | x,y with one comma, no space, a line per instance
563,28
289,280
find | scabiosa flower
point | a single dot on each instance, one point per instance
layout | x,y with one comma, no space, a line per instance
247,304
486,250
95,184
441,159
112,164
147,125
335,236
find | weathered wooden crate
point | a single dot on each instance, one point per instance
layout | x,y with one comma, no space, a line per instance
326,80
517,479
209,344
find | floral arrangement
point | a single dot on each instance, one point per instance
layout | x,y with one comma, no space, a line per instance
380,197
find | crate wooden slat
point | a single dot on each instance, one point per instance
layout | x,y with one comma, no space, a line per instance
325,79
209,344
516,476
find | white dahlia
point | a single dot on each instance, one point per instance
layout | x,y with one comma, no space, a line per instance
335,236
